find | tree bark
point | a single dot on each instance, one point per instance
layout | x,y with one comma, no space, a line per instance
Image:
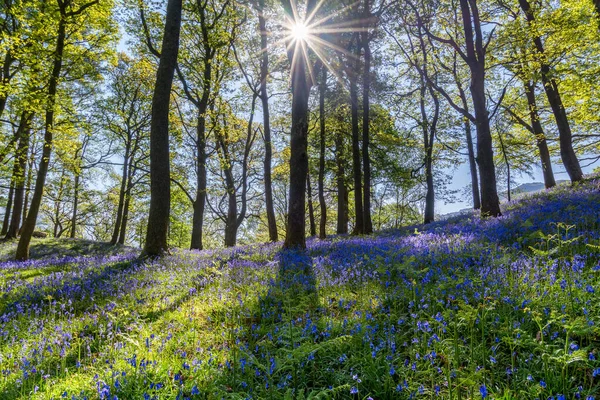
296,220
475,57
469,137
311,209
21,164
567,153
367,221
126,206
359,227
321,188
540,137
264,97
160,183
29,225
428,138
8,209
342,191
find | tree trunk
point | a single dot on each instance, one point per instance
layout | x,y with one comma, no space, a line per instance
8,209
359,227
428,136
540,137
322,205
295,235
367,221
122,190
75,206
342,192
21,163
567,153
264,97
30,162
472,166
160,183
490,204
469,137
126,206
311,209
201,156
36,201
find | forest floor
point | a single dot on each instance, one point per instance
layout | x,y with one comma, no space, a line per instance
505,308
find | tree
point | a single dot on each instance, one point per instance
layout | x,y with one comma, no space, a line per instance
301,84
160,183
70,16
567,154
264,97
321,180
126,116
474,55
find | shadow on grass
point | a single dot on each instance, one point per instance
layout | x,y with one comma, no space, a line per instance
272,346
43,248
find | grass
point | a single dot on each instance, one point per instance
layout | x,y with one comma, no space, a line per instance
462,309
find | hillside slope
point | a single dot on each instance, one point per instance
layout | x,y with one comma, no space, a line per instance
465,308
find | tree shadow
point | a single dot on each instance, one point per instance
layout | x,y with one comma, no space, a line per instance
271,342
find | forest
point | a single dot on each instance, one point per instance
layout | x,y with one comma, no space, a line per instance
299,199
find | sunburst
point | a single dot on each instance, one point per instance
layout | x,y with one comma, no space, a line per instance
307,35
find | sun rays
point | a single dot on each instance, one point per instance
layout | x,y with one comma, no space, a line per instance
321,37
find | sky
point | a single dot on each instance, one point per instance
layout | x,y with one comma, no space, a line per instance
461,178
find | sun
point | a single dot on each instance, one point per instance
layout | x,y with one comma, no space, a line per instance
300,31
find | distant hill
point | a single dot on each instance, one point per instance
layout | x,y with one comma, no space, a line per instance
516,192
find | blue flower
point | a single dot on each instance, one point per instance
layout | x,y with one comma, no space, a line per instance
483,391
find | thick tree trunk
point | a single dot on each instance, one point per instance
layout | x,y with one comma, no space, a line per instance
8,208
264,97
490,204
322,205
36,201
359,227
429,212
295,235
567,153
160,183
21,164
540,137
311,209
200,202
367,221
122,190
231,225
342,191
